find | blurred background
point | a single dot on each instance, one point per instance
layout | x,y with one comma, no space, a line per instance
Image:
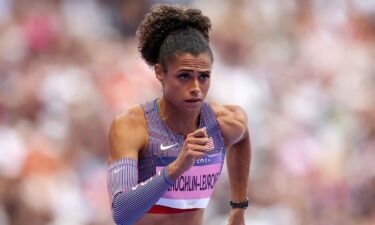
302,69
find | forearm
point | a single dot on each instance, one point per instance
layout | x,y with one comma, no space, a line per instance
130,201
238,163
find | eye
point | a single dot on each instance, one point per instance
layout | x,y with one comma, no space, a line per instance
204,76
183,76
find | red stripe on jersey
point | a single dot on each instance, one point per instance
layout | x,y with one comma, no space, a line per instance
210,144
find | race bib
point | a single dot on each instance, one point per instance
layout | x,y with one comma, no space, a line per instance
193,188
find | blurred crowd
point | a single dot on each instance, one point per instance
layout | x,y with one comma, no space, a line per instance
302,69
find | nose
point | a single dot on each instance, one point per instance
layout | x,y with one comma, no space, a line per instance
194,88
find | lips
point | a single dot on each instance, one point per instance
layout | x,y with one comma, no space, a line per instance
192,100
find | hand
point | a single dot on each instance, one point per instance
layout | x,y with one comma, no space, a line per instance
193,148
237,217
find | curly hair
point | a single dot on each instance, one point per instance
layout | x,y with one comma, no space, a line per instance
169,30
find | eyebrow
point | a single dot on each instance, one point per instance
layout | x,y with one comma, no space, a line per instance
192,71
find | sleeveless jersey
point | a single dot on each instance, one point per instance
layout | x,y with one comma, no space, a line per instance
194,187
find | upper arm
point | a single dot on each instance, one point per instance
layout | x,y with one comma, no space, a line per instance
128,135
237,124
232,121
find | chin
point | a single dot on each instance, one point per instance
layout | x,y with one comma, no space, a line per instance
192,106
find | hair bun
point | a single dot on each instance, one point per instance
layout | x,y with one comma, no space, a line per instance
161,21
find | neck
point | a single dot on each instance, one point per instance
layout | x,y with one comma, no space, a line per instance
178,121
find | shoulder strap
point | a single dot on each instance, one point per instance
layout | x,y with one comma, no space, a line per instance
212,125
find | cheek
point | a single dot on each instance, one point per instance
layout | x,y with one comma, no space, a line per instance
171,89
206,86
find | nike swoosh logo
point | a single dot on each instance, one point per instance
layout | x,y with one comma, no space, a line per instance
214,155
162,147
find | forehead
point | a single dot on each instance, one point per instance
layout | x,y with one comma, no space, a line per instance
187,61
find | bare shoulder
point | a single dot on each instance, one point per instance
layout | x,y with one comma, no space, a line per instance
128,134
232,121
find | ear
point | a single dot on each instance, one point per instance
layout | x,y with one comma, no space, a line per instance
159,72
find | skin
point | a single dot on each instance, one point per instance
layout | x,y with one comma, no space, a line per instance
186,79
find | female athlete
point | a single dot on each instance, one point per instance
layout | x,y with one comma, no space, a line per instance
166,155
